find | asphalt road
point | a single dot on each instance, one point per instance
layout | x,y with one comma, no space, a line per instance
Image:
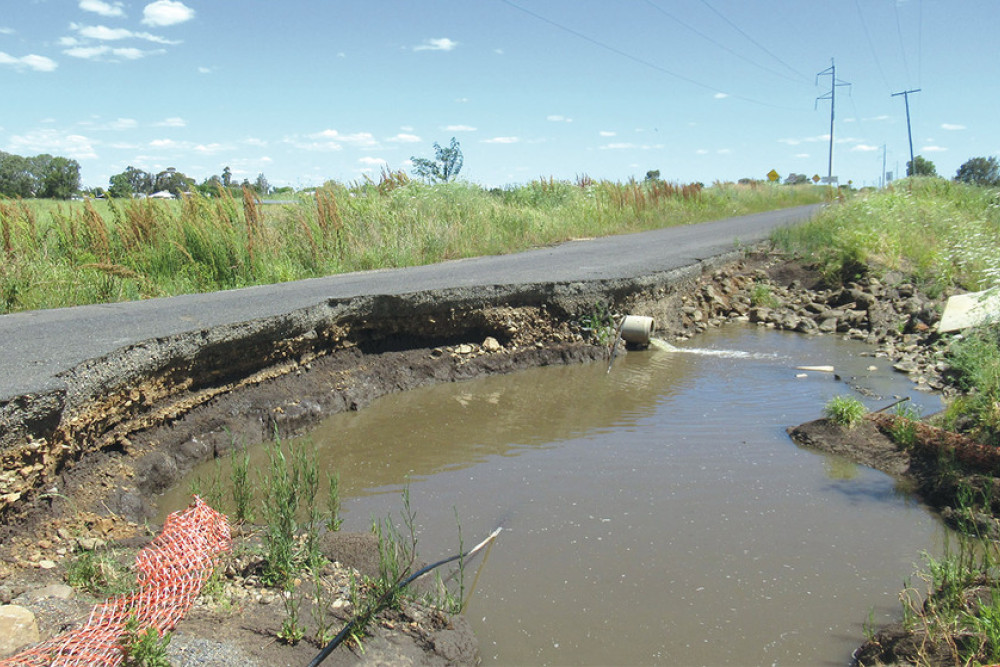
36,346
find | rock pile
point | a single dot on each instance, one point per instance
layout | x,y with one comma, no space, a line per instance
895,318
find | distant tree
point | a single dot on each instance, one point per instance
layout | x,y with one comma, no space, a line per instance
444,167
920,167
653,175
173,182
131,181
796,179
979,171
120,187
261,185
227,177
58,177
211,185
16,179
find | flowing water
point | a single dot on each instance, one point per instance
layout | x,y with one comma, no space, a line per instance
656,514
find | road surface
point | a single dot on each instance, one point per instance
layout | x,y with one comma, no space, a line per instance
37,346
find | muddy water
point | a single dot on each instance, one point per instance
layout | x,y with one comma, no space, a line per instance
658,514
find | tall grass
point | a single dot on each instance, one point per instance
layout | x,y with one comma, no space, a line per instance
70,253
937,233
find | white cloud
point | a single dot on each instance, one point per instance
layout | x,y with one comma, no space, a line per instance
123,124
501,140
607,133
933,149
30,61
701,151
166,12
802,155
6,31
617,146
459,128
372,161
357,138
53,141
103,8
106,34
173,121
555,118
439,44
209,149
164,143
865,148
720,96
98,52
204,70
951,126
404,138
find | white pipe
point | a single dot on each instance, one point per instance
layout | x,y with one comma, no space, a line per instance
637,329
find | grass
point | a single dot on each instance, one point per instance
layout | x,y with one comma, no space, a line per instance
97,251
937,233
845,410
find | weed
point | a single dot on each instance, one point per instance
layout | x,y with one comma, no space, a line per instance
333,503
599,324
845,410
99,572
143,649
291,631
903,430
762,295
242,486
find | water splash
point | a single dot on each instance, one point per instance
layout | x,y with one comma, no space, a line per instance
664,346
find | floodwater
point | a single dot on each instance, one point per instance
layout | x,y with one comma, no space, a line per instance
656,514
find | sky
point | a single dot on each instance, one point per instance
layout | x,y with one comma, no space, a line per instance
309,91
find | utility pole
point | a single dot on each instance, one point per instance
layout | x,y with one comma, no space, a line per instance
832,96
882,182
909,134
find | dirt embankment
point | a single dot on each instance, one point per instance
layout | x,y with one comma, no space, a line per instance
85,467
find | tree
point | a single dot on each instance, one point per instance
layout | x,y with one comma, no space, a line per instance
60,178
173,182
227,177
979,171
444,167
653,175
796,179
16,179
920,167
261,185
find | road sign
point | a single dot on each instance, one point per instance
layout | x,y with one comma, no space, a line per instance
815,178
773,175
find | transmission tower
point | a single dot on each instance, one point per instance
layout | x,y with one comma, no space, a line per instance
832,96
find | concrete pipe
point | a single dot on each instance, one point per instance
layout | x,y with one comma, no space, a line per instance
637,329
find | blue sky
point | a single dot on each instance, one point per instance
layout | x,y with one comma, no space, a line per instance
701,90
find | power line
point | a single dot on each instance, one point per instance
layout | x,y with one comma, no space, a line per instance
902,44
754,42
638,60
715,41
871,45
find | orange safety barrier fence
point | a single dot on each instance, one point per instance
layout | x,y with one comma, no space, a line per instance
171,572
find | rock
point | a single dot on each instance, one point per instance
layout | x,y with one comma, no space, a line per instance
90,543
53,591
18,628
491,344
464,348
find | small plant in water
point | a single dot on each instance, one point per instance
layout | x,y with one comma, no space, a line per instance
845,410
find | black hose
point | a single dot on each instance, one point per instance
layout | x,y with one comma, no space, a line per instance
343,634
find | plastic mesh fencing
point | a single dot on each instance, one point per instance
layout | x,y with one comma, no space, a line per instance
171,572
